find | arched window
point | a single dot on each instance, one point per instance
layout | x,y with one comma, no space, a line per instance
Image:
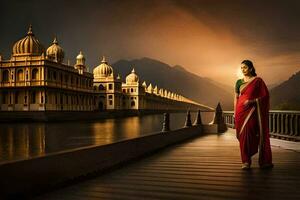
132,103
5,76
101,87
20,75
34,74
33,97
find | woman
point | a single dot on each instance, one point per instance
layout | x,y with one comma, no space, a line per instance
251,109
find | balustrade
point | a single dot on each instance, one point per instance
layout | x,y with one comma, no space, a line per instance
282,124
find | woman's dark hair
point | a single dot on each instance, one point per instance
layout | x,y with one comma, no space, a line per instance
250,66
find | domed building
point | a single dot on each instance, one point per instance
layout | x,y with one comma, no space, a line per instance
134,92
103,71
107,86
55,52
80,63
132,78
28,46
35,80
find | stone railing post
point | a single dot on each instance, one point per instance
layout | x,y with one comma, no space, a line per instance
291,124
166,123
286,124
219,119
188,121
198,120
278,123
273,123
296,125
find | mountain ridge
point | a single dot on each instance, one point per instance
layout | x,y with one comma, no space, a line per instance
176,79
286,96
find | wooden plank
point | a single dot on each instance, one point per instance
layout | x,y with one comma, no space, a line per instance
204,168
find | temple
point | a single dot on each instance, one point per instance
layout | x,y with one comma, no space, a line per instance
38,79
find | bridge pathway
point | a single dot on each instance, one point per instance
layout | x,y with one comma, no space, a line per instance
207,167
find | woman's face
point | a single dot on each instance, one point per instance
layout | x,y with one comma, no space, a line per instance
245,70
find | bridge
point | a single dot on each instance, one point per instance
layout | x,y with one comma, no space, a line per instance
195,162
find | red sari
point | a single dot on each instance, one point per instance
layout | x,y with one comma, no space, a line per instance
251,122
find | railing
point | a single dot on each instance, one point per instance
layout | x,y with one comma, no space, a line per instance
283,124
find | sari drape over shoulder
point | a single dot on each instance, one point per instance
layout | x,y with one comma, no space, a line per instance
251,122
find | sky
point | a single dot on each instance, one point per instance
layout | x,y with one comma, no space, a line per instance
207,37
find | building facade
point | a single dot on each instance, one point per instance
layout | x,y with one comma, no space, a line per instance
35,79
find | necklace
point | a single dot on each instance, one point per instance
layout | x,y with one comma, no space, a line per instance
248,79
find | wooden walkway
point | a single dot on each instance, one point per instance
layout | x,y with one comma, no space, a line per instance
207,167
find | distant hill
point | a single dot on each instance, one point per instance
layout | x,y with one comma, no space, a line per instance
271,86
286,96
176,79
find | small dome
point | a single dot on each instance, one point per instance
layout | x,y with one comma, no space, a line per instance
103,70
132,78
80,59
55,52
80,56
29,45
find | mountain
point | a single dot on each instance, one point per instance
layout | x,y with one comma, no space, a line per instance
176,79
271,86
286,96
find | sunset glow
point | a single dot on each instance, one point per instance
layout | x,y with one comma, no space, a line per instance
208,38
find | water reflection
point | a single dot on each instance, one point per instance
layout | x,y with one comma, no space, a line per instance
25,140
21,141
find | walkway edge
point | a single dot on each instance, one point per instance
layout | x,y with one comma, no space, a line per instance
21,178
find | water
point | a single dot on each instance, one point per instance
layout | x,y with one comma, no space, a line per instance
26,140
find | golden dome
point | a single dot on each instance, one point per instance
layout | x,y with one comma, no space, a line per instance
55,52
80,56
132,78
80,59
103,70
29,45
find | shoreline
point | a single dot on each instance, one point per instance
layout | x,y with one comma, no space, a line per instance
57,116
